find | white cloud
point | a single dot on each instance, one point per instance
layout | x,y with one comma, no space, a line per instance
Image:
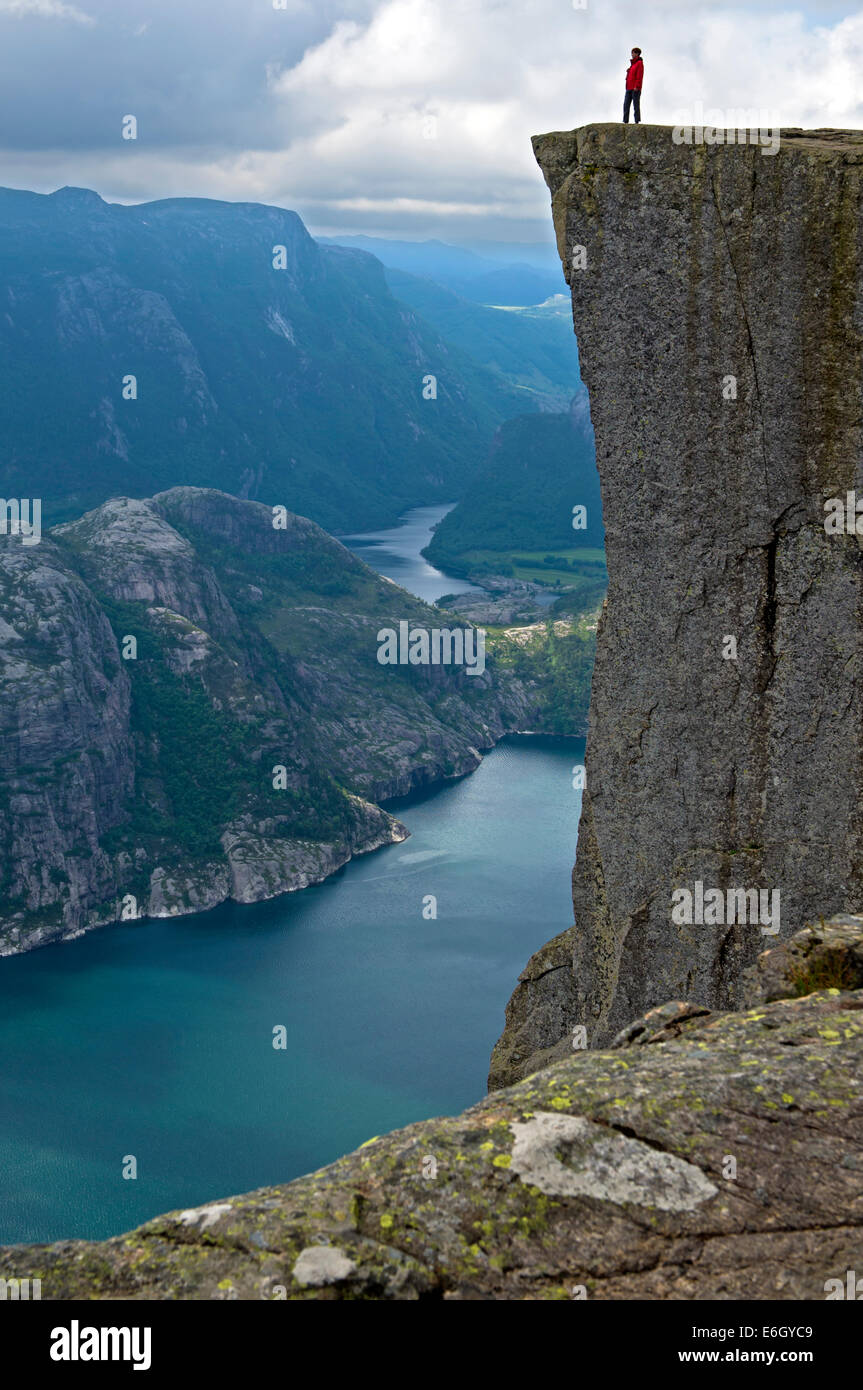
414,116
493,72
45,9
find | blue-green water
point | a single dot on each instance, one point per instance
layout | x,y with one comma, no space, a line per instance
396,553
156,1039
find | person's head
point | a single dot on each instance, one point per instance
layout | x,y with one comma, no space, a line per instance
636,52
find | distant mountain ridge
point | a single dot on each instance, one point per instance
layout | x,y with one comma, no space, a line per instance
531,275
532,349
301,385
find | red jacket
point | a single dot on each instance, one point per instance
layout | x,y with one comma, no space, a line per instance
635,75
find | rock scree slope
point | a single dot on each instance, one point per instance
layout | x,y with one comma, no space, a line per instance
718,303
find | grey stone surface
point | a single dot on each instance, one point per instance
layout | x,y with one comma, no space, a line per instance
704,263
568,1156
826,955
319,1265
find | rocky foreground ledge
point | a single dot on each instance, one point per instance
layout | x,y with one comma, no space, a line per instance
703,1155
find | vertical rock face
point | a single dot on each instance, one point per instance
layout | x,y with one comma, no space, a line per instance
703,264
66,754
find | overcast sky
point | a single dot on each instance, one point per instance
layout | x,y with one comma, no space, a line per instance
325,106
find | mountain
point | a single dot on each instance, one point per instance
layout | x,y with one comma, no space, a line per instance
724,782
487,278
542,255
533,349
193,710
301,385
538,468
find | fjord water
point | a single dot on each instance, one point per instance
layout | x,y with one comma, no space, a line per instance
155,1040
396,554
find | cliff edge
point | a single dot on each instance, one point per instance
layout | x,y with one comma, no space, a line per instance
716,294
702,1156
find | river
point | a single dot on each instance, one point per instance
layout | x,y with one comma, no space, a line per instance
154,1040
396,553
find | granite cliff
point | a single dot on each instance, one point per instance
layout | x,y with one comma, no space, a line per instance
160,659
718,301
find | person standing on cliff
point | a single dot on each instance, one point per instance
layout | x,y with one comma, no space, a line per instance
634,80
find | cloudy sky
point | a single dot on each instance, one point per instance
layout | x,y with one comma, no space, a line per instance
392,117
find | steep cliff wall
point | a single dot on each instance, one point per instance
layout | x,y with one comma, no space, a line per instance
717,303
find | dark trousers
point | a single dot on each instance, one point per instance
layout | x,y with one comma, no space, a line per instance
632,99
